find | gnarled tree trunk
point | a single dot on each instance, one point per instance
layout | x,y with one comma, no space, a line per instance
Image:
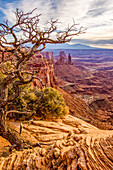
10,134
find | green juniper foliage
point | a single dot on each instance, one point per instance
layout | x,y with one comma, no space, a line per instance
47,102
51,104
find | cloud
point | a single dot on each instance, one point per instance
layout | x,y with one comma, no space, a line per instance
64,10
43,7
96,12
95,15
97,8
93,42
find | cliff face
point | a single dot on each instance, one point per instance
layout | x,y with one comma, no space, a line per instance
87,109
44,71
46,74
91,96
48,55
69,143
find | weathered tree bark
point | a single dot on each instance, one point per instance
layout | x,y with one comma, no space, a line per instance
10,134
18,54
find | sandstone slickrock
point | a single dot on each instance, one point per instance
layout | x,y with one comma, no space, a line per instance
92,150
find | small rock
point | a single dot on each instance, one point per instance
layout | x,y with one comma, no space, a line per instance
69,135
43,152
77,138
58,145
71,143
76,131
50,154
82,130
56,152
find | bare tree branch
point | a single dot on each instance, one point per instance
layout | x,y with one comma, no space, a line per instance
14,40
28,27
19,112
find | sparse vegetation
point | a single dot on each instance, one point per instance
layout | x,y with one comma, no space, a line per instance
46,103
51,104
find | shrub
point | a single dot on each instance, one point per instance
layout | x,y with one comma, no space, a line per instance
47,103
51,104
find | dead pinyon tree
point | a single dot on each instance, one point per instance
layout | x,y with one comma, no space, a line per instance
13,48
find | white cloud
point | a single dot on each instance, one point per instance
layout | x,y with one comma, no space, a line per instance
95,15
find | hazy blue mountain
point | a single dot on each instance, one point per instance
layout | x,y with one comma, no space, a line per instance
68,46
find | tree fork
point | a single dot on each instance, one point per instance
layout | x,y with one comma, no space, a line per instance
13,136
7,132
31,32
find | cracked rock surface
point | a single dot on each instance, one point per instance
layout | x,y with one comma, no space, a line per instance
71,144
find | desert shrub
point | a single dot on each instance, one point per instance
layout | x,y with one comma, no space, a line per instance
5,67
30,99
20,103
47,102
25,101
51,103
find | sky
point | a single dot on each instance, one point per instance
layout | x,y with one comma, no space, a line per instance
95,16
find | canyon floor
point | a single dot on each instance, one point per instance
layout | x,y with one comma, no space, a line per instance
89,81
68,143
82,140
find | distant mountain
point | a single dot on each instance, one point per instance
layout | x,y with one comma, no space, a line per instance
68,46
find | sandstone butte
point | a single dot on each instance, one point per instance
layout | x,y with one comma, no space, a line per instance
69,143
